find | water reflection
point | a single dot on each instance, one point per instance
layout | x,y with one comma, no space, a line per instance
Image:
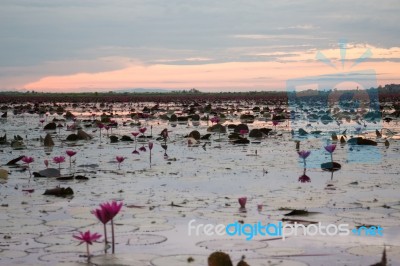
304,178
48,150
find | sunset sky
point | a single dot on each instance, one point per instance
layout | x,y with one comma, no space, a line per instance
227,45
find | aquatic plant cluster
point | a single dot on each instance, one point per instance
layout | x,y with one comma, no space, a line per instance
87,140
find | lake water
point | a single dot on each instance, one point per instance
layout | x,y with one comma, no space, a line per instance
201,181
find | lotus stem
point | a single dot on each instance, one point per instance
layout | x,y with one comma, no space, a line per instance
112,236
105,238
30,174
87,251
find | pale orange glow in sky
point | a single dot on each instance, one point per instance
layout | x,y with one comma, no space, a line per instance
222,76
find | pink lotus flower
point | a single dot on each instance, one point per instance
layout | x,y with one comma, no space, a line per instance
259,207
304,154
304,178
46,163
87,238
243,131
119,159
275,123
59,160
142,130
41,121
330,148
135,152
27,160
135,134
242,202
215,119
70,153
101,215
110,210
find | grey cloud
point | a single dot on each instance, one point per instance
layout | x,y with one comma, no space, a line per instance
35,32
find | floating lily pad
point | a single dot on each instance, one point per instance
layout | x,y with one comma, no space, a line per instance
141,221
44,209
180,260
59,192
29,230
280,251
74,247
377,201
35,250
344,205
230,245
123,259
12,254
361,215
384,222
331,167
64,257
155,228
25,222
145,239
82,212
274,262
72,223
299,213
56,239
392,252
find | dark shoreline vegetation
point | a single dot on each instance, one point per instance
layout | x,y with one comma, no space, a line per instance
384,94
